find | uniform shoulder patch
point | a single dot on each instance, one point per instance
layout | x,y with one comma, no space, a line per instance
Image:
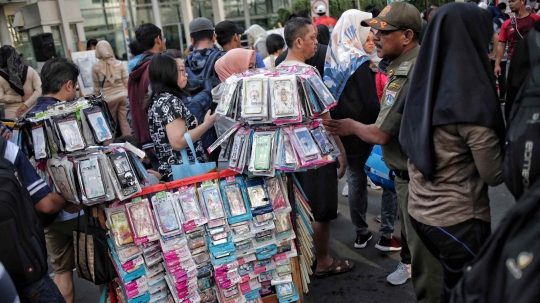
404,69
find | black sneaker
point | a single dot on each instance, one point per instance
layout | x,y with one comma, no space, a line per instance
362,240
386,244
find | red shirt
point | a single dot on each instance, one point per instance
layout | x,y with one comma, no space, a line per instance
328,21
508,34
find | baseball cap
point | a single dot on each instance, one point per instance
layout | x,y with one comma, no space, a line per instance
228,28
200,24
321,9
397,15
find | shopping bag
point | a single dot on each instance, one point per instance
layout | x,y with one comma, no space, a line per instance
377,170
92,252
187,169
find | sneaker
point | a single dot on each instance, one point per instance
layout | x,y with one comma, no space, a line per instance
400,275
391,244
372,185
345,191
362,240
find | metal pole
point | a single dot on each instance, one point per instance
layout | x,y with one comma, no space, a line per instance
126,30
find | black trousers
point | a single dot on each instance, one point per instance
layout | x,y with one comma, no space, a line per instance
454,246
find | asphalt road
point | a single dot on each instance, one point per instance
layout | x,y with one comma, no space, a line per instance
367,281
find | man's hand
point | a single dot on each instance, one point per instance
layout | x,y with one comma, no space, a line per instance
21,110
497,71
342,163
4,132
343,127
73,208
491,56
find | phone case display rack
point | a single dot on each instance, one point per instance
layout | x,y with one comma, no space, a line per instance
217,237
65,141
277,126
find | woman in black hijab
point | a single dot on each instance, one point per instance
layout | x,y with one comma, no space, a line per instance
323,34
452,130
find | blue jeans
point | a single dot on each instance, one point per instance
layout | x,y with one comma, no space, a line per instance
42,291
389,212
358,195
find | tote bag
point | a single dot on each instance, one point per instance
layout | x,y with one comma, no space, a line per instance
186,169
92,252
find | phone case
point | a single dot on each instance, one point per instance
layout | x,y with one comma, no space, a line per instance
62,183
166,216
70,132
309,147
263,148
253,94
234,199
323,142
40,142
123,173
283,96
120,228
92,178
190,206
236,150
141,219
98,123
212,200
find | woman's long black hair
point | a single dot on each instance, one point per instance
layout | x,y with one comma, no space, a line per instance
163,74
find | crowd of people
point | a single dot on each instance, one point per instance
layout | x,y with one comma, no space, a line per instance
428,91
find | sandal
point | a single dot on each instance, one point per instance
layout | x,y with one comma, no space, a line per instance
337,267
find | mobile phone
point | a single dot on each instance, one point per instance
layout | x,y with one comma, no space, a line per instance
213,107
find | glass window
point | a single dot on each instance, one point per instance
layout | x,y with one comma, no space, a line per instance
24,47
170,13
233,8
202,8
257,7
262,22
138,2
141,14
58,44
171,32
278,4
115,38
89,4
74,36
94,20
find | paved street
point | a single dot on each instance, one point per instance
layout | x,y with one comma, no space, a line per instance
367,281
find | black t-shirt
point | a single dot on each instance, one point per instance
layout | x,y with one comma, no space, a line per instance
317,60
358,101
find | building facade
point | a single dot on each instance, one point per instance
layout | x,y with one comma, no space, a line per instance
73,22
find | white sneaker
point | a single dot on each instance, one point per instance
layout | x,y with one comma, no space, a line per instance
345,191
372,185
400,275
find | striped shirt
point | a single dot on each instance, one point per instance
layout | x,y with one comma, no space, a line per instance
37,188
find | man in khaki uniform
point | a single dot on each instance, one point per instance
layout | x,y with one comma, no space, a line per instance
398,27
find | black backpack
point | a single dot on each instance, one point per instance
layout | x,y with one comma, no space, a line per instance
521,167
22,239
507,267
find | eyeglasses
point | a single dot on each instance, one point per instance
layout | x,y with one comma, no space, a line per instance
182,71
163,39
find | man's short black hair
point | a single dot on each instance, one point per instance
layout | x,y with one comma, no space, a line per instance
274,42
91,42
202,35
224,40
303,13
502,6
146,34
136,48
296,28
55,73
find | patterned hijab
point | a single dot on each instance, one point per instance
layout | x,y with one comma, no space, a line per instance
105,54
12,69
345,52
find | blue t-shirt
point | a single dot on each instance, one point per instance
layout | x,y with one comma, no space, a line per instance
259,60
37,188
134,62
